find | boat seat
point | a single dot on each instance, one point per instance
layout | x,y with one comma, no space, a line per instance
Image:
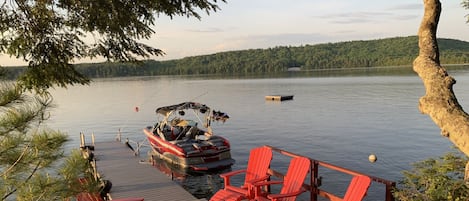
182,133
216,142
192,132
222,147
192,152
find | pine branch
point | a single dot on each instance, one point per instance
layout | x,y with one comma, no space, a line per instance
25,182
17,160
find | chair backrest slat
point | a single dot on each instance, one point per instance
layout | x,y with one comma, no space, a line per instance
295,176
258,164
357,188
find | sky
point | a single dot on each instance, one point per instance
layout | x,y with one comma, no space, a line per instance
253,24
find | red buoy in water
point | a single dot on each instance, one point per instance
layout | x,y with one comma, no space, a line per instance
136,109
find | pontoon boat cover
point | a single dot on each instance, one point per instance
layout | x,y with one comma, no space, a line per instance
182,106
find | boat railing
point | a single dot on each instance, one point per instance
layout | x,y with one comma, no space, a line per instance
315,180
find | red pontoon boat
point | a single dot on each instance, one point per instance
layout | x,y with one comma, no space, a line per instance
184,137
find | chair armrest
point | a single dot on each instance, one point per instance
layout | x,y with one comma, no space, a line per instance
252,181
250,185
226,176
229,174
265,183
278,196
256,187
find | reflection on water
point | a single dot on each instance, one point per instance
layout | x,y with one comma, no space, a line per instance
199,184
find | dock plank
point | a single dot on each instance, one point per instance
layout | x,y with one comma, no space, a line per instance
130,178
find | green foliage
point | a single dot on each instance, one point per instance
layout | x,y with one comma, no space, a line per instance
49,35
435,180
30,164
76,167
384,52
355,54
61,183
344,55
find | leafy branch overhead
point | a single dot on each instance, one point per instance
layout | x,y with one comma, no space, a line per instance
465,4
49,35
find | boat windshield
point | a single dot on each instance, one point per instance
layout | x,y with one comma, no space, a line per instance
183,122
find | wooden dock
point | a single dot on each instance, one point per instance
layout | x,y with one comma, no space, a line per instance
131,178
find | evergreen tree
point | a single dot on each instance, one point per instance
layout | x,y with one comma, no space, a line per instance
32,166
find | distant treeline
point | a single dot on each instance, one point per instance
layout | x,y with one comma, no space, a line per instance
397,51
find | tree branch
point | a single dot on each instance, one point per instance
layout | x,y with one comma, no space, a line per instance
25,181
439,101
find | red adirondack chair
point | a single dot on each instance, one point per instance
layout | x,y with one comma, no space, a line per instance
256,170
357,188
292,182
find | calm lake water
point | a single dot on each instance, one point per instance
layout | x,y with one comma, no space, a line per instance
339,120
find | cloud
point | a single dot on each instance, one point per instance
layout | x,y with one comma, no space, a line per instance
398,12
269,40
358,14
406,17
407,7
411,8
206,30
356,17
367,17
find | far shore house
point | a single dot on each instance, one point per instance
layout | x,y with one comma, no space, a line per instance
294,68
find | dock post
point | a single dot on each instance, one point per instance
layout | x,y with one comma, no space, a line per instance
389,189
92,139
118,138
95,169
315,180
82,140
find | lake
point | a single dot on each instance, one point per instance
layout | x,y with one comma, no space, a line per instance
335,119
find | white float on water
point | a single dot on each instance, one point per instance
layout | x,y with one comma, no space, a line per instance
372,158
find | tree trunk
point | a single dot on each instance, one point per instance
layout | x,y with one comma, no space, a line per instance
439,101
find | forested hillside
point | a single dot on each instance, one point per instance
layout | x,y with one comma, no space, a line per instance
372,53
